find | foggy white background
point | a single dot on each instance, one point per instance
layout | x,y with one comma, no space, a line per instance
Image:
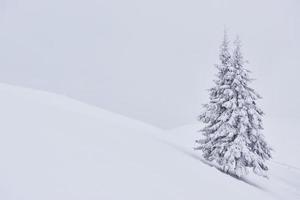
149,60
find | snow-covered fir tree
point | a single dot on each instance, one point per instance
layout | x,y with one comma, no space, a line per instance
232,135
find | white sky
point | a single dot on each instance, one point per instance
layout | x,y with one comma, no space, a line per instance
151,60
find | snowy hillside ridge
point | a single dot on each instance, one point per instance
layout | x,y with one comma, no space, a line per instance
53,147
67,103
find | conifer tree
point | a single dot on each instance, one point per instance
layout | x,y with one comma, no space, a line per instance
232,135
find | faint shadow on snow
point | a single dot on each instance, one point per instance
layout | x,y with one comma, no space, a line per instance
290,167
196,157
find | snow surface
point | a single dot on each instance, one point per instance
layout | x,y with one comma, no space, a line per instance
284,170
53,147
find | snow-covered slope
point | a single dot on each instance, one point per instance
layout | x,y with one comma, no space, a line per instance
284,168
53,147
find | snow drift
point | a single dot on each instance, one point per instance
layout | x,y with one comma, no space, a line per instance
53,147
